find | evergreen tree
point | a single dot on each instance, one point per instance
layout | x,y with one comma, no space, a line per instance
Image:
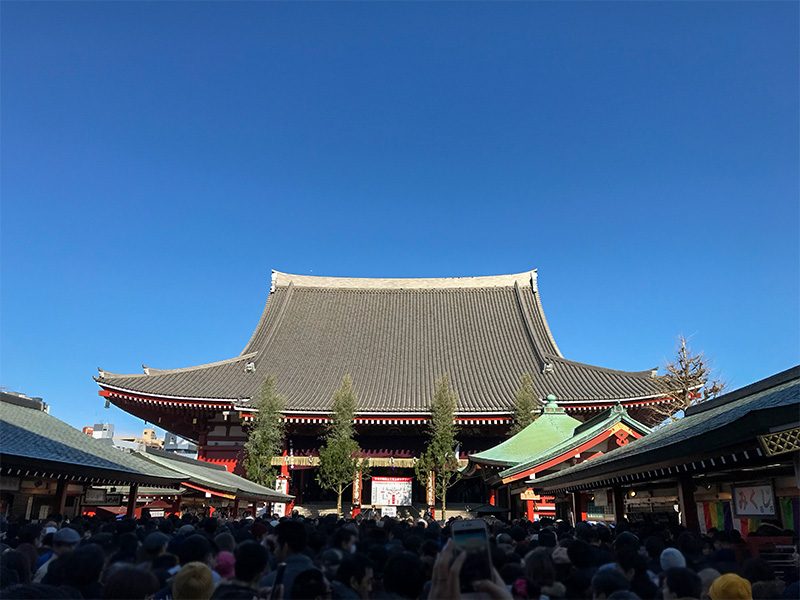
439,456
340,458
525,404
266,436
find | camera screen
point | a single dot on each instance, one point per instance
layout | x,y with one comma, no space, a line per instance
475,544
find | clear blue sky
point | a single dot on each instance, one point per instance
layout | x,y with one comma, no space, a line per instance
158,159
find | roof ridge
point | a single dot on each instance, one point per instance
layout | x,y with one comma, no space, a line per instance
283,279
151,371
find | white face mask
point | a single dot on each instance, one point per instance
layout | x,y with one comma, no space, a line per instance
352,549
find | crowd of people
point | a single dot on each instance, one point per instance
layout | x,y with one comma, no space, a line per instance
188,558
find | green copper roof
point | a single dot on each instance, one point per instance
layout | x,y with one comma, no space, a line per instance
551,428
580,435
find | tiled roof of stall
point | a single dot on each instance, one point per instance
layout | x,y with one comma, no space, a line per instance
707,427
394,337
30,436
215,477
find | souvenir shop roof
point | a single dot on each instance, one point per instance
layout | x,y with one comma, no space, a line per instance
394,337
751,424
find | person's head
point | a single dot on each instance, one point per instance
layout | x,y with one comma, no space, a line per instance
580,554
680,582
654,546
193,582
155,544
707,577
84,565
290,538
607,581
195,548
251,562
310,584
129,583
65,540
344,539
356,573
626,541
730,587
757,569
17,563
539,567
671,559
225,542
623,595
404,575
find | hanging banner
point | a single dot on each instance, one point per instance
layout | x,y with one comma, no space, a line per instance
357,489
391,491
755,500
282,486
430,490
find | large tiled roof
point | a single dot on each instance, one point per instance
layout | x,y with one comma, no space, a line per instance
706,428
30,436
394,337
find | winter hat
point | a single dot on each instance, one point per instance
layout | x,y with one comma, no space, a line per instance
672,559
730,587
226,564
66,536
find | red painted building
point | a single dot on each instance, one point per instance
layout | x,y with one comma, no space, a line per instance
394,337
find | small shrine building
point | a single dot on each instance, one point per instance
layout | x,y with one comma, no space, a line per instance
554,441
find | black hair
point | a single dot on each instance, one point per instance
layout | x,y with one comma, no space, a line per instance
355,565
130,583
309,584
683,582
292,533
580,554
195,548
607,581
251,561
404,576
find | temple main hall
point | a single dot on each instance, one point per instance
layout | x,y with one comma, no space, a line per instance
394,337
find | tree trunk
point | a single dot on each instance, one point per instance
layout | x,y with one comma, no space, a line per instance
444,501
339,502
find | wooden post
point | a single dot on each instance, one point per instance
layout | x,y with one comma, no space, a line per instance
236,508
132,493
529,510
619,503
687,504
61,496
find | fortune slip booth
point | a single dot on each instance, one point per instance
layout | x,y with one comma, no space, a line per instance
49,467
731,463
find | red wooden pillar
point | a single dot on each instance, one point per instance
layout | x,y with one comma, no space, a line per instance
132,493
579,505
687,504
530,510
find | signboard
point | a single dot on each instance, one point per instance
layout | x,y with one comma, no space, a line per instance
10,484
282,486
753,500
113,500
156,512
391,491
388,511
357,489
94,496
430,490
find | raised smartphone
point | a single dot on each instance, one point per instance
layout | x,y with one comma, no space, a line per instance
472,538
